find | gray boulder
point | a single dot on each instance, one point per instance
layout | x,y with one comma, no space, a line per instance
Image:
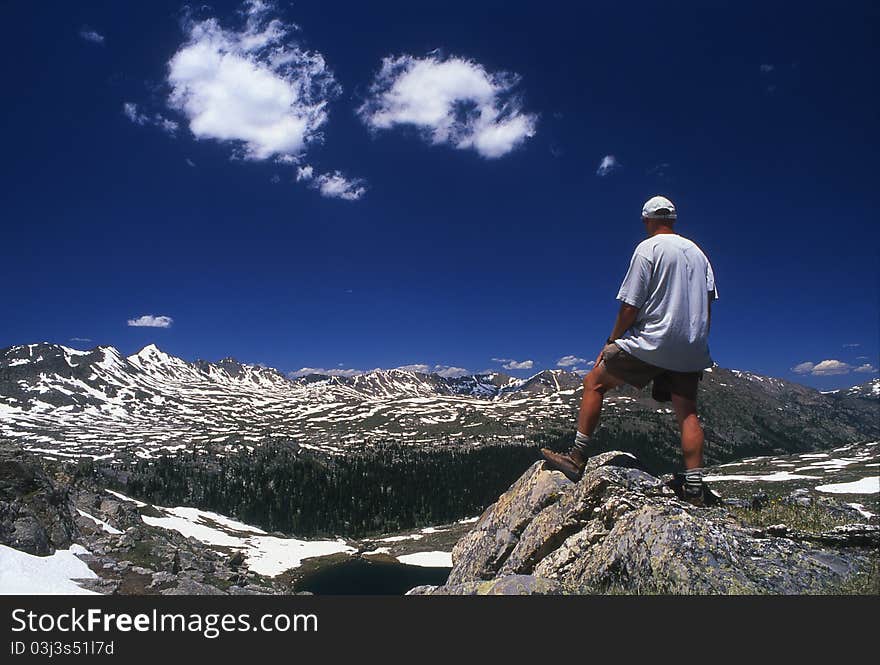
622,530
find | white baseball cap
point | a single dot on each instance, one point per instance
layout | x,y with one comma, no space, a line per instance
658,207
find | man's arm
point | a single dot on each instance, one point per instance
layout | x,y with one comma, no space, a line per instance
632,294
626,317
712,295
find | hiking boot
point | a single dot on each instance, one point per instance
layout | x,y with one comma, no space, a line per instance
571,463
697,499
705,498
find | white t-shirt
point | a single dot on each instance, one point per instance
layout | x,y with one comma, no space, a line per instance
670,280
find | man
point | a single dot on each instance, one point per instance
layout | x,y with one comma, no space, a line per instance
661,335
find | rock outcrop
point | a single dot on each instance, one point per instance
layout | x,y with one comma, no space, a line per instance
620,529
43,509
35,511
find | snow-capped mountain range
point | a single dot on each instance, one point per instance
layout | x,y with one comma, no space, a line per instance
869,390
99,403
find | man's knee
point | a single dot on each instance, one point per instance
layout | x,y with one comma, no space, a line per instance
598,381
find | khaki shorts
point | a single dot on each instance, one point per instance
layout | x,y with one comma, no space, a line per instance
629,369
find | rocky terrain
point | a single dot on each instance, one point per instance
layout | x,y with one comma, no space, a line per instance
622,530
131,547
64,402
619,530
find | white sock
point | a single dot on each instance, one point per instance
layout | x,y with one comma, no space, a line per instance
693,480
581,443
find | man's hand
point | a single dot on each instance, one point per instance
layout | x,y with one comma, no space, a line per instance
626,316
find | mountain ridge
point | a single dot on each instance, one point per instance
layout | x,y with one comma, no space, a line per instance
101,403
870,388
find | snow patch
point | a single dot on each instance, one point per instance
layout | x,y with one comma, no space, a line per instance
397,539
139,504
870,485
26,574
101,523
264,554
867,514
778,477
427,559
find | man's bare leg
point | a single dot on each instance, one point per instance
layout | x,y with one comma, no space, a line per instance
596,384
691,447
691,431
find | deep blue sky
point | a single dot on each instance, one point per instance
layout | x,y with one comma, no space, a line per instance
451,258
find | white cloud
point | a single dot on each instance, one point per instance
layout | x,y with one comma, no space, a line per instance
150,321
252,87
570,361
190,162
852,346
331,185
451,100
867,368
336,186
766,68
509,363
305,371
830,368
91,36
255,89
166,125
452,372
80,339
133,113
424,369
824,368
608,164
443,370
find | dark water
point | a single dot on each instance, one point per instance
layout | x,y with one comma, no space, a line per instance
364,577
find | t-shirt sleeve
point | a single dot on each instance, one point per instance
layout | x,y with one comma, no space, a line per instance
710,282
634,289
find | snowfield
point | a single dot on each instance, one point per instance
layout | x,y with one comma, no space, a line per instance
429,559
23,573
854,466
862,486
272,555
